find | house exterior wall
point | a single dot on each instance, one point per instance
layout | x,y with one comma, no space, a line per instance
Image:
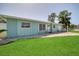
60,28
14,28
11,27
57,28
34,28
54,29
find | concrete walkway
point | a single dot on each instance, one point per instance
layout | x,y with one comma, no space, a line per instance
62,34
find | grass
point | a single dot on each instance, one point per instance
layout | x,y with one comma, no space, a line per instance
55,46
74,31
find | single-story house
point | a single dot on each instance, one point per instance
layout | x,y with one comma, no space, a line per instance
17,26
78,26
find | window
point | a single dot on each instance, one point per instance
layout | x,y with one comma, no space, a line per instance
25,25
53,26
42,27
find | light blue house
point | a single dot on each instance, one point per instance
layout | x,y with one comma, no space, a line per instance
17,26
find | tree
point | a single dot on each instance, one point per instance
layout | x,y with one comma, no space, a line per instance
73,26
64,18
52,17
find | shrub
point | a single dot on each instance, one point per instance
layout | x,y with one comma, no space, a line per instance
2,30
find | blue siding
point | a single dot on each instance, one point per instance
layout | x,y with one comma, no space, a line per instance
54,29
11,28
58,28
14,28
34,29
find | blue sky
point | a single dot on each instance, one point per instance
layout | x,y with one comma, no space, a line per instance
39,11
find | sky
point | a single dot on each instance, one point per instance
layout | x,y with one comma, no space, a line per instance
39,11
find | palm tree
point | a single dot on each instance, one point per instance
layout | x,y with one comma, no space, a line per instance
64,18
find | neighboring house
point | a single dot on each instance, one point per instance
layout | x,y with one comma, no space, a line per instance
17,26
78,26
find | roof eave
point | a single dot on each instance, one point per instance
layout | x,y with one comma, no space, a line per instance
26,19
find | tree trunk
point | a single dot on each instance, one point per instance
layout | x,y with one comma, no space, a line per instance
67,28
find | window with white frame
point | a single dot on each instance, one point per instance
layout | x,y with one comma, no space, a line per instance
42,27
25,25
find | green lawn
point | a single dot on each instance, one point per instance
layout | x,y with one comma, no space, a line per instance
55,46
74,31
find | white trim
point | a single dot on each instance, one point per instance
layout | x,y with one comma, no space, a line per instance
41,30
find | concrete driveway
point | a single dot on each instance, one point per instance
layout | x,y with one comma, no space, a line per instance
61,34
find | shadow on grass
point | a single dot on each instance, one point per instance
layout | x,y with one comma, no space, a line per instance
6,43
31,38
